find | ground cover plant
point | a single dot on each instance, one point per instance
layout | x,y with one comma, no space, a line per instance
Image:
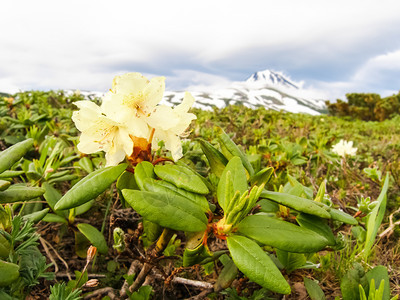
124,198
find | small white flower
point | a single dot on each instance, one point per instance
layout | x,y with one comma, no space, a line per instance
344,148
171,123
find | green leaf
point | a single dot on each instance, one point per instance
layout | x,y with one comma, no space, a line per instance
86,164
9,272
350,281
64,178
168,210
232,179
378,274
10,174
5,247
53,218
227,275
280,234
182,177
152,230
291,261
230,149
268,206
297,203
20,193
81,209
375,218
262,177
4,184
13,154
215,158
127,181
195,250
313,289
339,215
52,196
317,225
94,236
90,187
144,293
161,186
36,216
256,264
142,171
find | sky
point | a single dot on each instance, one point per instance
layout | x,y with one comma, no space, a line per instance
330,47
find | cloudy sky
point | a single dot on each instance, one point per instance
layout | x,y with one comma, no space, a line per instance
333,47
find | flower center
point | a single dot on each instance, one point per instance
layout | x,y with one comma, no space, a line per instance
106,133
136,102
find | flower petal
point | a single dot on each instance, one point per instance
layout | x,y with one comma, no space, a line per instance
187,103
129,83
154,92
163,118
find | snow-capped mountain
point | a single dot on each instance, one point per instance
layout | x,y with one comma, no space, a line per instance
272,78
265,88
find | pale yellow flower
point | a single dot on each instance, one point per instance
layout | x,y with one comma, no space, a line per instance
100,133
130,112
171,123
133,96
344,148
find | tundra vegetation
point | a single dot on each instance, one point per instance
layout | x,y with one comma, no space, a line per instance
124,198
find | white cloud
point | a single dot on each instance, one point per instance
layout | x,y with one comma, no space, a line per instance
84,44
379,68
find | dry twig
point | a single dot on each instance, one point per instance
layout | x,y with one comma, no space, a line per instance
388,231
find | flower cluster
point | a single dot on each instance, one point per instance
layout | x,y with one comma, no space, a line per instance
344,148
130,112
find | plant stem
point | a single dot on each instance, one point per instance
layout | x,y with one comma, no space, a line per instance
161,244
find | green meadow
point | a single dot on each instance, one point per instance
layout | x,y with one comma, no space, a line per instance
44,242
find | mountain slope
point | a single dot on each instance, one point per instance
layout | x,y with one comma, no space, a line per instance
265,88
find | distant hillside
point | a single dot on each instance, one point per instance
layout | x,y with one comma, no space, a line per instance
269,89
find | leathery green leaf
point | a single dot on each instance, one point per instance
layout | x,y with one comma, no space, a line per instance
4,184
9,272
280,234
94,236
182,177
256,264
142,171
313,289
53,218
10,174
317,225
14,153
232,179
230,149
297,203
36,216
20,193
167,210
195,251
52,196
5,247
227,275
162,186
262,177
127,181
338,215
215,158
90,187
